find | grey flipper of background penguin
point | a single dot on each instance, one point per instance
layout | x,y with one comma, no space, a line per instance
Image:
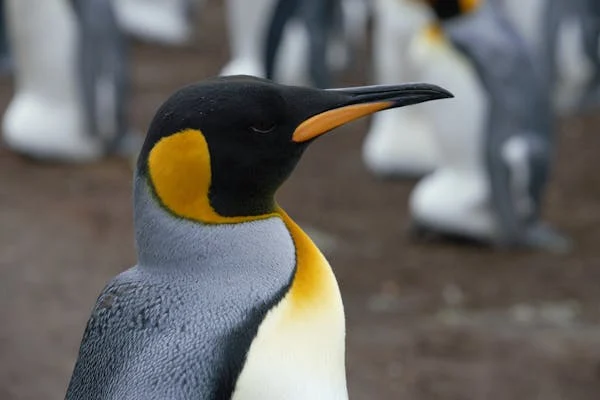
104,73
590,23
320,17
587,15
189,309
520,112
5,57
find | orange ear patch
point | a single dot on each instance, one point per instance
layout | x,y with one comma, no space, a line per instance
180,173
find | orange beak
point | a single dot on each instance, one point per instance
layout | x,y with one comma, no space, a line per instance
363,101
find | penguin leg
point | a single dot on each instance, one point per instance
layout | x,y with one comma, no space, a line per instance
518,170
104,74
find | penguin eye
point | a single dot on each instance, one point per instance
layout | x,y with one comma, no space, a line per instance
263,128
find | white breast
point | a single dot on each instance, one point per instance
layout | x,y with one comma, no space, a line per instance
299,350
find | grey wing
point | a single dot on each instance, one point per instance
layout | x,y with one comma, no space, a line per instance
138,345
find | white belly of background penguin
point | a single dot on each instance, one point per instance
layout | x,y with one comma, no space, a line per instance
71,80
230,298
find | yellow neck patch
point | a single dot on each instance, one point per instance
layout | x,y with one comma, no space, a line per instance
467,6
314,286
433,32
180,172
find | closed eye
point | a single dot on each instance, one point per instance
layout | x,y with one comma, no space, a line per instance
263,129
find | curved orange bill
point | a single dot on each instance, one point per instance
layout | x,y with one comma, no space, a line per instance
363,101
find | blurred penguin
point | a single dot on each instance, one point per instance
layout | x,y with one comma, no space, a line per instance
246,27
5,58
298,42
564,40
319,18
71,80
496,140
399,142
162,21
591,43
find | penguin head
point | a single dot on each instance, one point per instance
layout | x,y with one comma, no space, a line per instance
217,151
447,9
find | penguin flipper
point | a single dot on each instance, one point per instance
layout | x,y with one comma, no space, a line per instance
136,345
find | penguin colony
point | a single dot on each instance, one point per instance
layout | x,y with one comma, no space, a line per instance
485,160
230,299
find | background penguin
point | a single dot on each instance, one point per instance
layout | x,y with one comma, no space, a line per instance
491,180
563,39
5,59
298,42
247,22
230,298
71,79
169,22
400,142
103,58
320,19
326,33
590,13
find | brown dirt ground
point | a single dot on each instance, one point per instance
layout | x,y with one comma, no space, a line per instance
425,320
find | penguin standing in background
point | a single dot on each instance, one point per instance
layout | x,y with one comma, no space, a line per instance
400,142
247,23
320,18
563,38
591,43
297,42
495,152
71,77
169,22
310,41
571,34
5,58
230,299
104,74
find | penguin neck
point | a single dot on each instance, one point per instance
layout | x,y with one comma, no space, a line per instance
163,238
226,203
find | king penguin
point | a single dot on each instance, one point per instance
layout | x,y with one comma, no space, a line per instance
496,141
71,76
230,299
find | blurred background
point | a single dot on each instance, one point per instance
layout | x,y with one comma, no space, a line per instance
428,317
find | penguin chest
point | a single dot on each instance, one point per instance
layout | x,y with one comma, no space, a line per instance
299,350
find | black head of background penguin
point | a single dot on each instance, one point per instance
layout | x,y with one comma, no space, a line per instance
217,151
448,9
